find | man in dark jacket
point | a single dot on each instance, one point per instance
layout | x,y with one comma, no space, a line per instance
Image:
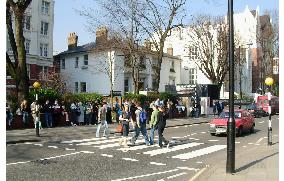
162,118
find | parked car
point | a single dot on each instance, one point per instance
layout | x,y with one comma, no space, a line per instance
244,122
256,111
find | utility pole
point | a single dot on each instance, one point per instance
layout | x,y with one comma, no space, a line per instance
240,73
230,165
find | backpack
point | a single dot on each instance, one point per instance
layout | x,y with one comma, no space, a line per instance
143,116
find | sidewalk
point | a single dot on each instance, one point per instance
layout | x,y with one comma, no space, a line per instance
261,164
46,133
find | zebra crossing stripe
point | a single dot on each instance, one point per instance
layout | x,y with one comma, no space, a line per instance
139,147
130,159
84,140
99,142
167,150
200,152
115,145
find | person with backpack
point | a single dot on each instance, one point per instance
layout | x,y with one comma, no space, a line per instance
102,120
124,118
163,115
153,123
140,126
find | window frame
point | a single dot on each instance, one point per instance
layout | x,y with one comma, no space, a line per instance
83,86
44,28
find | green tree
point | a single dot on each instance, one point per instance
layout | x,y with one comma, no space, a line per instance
16,64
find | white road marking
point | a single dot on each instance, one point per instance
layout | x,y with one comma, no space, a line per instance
190,169
99,142
193,139
139,147
155,163
261,122
193,134
28,143
176,127
213,140
176,175
203,132
75,153
167,150
106,155
200,152
275,135
199,162
69,149
38,144
175,137
237,142
84,140
259,140
146,175
244,146
52,146
130,159
198,173
250,143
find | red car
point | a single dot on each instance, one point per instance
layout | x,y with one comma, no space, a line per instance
244,122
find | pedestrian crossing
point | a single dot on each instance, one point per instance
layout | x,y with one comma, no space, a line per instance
181,150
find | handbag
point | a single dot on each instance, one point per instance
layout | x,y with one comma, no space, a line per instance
119,128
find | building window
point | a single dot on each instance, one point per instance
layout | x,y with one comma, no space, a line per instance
83,86
126,85
63,64
44,28
172,69
76,87
27,22
76,62
192,76
193,52
27,45
45,48
43,70
41,49
44,7
86,59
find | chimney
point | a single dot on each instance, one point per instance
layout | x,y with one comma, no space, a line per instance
101,35
72,41
170,51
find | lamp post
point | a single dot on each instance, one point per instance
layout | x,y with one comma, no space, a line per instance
36,85
231,126
240,74
269,82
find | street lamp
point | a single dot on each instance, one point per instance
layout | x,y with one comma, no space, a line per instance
269,82
36,86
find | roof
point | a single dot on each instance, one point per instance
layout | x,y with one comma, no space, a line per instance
253,12
83,48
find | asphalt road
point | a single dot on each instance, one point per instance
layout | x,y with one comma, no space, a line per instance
75,154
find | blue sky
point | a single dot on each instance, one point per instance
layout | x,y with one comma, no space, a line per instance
67,20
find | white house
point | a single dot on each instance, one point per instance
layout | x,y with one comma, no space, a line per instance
246,26
93,66
38,33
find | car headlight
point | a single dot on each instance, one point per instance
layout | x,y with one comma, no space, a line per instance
212,125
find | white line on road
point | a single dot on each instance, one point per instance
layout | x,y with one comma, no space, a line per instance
70,149
198,173
167,150
261,122
244,146
200,152
213,140
106,155
51,157
146,175
130,159
99,142
259,140
176,175
237,142
52,146
190,169
38,144
155,163
84,140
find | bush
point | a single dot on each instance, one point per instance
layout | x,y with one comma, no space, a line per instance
167,95
43,95
136,97
83,97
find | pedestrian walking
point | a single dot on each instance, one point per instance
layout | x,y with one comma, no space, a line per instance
133,108
153,123
140,126
25,109
47,109
124,118
102,120
57,112
161,124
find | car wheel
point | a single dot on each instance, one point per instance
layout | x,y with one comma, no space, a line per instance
252,129
240,132
212,134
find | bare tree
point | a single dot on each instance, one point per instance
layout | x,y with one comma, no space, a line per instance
16,65
135,21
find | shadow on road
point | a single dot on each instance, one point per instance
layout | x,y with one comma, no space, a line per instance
254,163
21,141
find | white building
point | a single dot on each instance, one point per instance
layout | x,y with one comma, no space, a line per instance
87,67
246,26
38,33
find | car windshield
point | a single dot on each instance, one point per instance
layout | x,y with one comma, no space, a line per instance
226,115
251,106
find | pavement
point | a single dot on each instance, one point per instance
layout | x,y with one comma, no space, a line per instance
259,164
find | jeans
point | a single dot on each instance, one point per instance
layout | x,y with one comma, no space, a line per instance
152,132
48,119
89,118
161,138
143,130
103,123
26,119
9,118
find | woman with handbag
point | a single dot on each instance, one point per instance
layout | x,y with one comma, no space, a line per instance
124,119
